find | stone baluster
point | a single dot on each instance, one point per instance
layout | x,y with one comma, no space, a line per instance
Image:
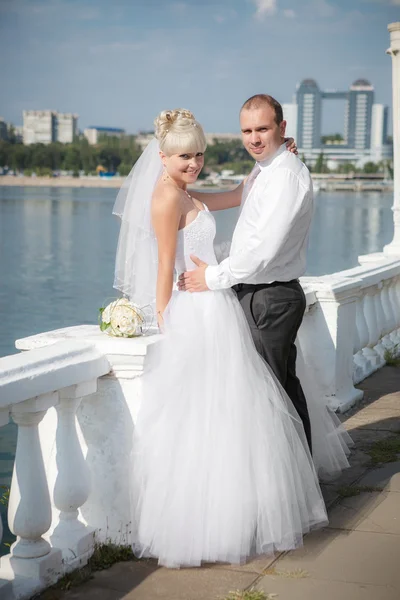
72,485
395,310
390,315
382,320
29,511
4,418
361,364
370,354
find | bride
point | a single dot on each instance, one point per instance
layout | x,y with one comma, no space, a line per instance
220,468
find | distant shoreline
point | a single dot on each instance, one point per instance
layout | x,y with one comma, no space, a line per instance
76,182
333,185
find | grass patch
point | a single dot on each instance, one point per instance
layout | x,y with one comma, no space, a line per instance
104,556
250,595
294,574
348,491
391,358
385,451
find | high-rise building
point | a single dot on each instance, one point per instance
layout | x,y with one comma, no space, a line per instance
365,131
67,127
308,97
39,126
359,115
379,125
290,116
47,126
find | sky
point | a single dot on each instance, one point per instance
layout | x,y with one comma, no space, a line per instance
119,63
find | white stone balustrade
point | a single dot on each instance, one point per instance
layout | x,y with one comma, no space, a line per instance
351,322
31,384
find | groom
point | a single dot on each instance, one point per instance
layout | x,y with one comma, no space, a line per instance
269,244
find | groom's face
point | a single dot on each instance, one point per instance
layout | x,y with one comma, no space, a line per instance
261,134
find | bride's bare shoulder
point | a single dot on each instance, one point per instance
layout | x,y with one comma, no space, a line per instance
166,200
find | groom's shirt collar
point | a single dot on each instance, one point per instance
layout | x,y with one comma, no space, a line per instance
268,161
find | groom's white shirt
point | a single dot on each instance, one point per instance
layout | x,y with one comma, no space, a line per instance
271,236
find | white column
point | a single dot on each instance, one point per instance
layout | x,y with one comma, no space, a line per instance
394,51
72,485
29,511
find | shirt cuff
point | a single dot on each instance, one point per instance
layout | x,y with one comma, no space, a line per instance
212,279
217,278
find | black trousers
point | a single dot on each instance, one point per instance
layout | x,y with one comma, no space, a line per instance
274,312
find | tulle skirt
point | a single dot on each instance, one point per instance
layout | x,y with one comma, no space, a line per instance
220,468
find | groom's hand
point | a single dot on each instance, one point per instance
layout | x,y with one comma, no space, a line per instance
291,145
194,281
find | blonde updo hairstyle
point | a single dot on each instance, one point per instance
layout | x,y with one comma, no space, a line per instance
177,132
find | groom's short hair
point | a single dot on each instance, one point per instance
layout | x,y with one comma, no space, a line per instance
260,100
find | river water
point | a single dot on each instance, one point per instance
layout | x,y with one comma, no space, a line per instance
57,248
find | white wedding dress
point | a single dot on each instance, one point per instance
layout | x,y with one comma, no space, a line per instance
221,468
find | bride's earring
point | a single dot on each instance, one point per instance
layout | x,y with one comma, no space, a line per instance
165,175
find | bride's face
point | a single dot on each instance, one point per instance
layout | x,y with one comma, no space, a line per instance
184,168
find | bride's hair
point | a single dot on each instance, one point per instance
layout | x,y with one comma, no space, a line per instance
178,131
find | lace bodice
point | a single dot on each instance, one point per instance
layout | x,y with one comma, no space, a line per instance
196,238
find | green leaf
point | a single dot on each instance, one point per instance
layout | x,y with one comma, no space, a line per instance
104,326
101,310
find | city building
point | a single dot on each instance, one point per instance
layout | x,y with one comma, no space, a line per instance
365,130
67,127
92,133
47,126
359,115
308,100
379,135
39,126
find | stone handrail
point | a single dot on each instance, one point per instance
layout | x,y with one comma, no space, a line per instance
353,320
32,384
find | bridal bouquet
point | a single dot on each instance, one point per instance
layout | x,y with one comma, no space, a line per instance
123,318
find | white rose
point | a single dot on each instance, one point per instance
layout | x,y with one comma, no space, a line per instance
106,315
124,320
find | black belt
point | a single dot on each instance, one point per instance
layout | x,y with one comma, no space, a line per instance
239,287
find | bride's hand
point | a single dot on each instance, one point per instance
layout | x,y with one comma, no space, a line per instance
291,145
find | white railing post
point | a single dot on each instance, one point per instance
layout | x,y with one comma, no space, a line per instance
72,485
29,511
394,28
327,336
394,302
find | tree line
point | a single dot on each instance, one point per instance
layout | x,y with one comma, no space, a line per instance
111,153
119,154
